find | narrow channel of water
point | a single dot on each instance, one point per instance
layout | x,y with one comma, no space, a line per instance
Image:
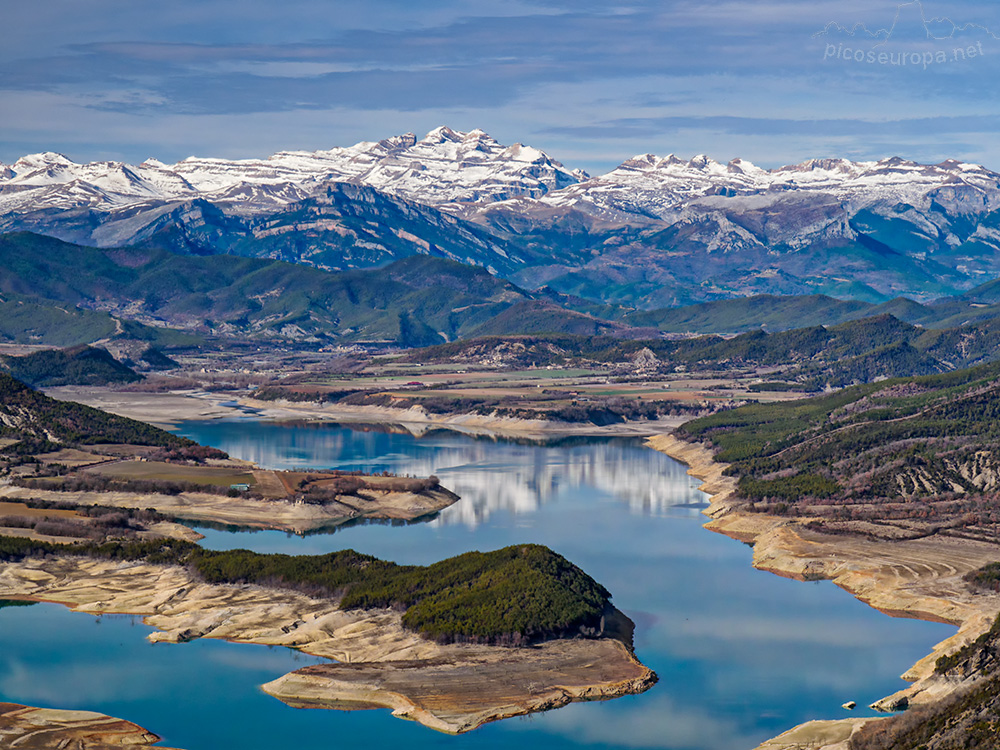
742,655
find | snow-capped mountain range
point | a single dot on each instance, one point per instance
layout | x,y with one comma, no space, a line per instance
443,167
451,167
652,224
662,187
740,207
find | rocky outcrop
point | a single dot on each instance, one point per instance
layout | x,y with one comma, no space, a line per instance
457,695
31,728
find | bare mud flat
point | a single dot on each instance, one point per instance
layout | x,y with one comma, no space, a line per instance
449,687
816,735
161,409
51,729
918,578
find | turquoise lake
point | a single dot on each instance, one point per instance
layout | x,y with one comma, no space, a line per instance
741,654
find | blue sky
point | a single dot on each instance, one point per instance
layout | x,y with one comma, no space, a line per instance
591,83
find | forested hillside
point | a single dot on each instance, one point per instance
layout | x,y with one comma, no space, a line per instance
914,456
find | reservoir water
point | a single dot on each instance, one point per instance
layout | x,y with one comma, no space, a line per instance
742,655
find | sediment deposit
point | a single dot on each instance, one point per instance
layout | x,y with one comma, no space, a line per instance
484,684
166,409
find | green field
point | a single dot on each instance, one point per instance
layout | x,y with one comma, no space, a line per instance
154,471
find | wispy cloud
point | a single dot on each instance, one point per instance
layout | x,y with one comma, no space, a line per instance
769,126
580,76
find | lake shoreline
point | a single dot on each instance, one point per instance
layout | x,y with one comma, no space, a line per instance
879,573
780,547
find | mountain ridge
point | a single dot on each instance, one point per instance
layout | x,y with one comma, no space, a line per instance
654,231
413,301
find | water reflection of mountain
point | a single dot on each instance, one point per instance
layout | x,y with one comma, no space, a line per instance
523,479
489,475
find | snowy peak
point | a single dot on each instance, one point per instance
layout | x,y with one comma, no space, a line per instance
467,172
672,175
444,167
450,166
44,160
42,169
743,167
641,163
443,134
702,162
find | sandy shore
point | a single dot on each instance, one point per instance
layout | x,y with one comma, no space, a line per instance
452,688
919,578
167,409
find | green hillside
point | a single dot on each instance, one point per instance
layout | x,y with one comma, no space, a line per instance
414,301
781,313
32,417
81,365
909,458
746,313
49,288
920,455
514,596
27,319
816,357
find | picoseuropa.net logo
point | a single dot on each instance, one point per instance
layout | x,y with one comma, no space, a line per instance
926,58
913,40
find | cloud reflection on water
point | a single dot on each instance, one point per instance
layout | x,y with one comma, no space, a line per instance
490,476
